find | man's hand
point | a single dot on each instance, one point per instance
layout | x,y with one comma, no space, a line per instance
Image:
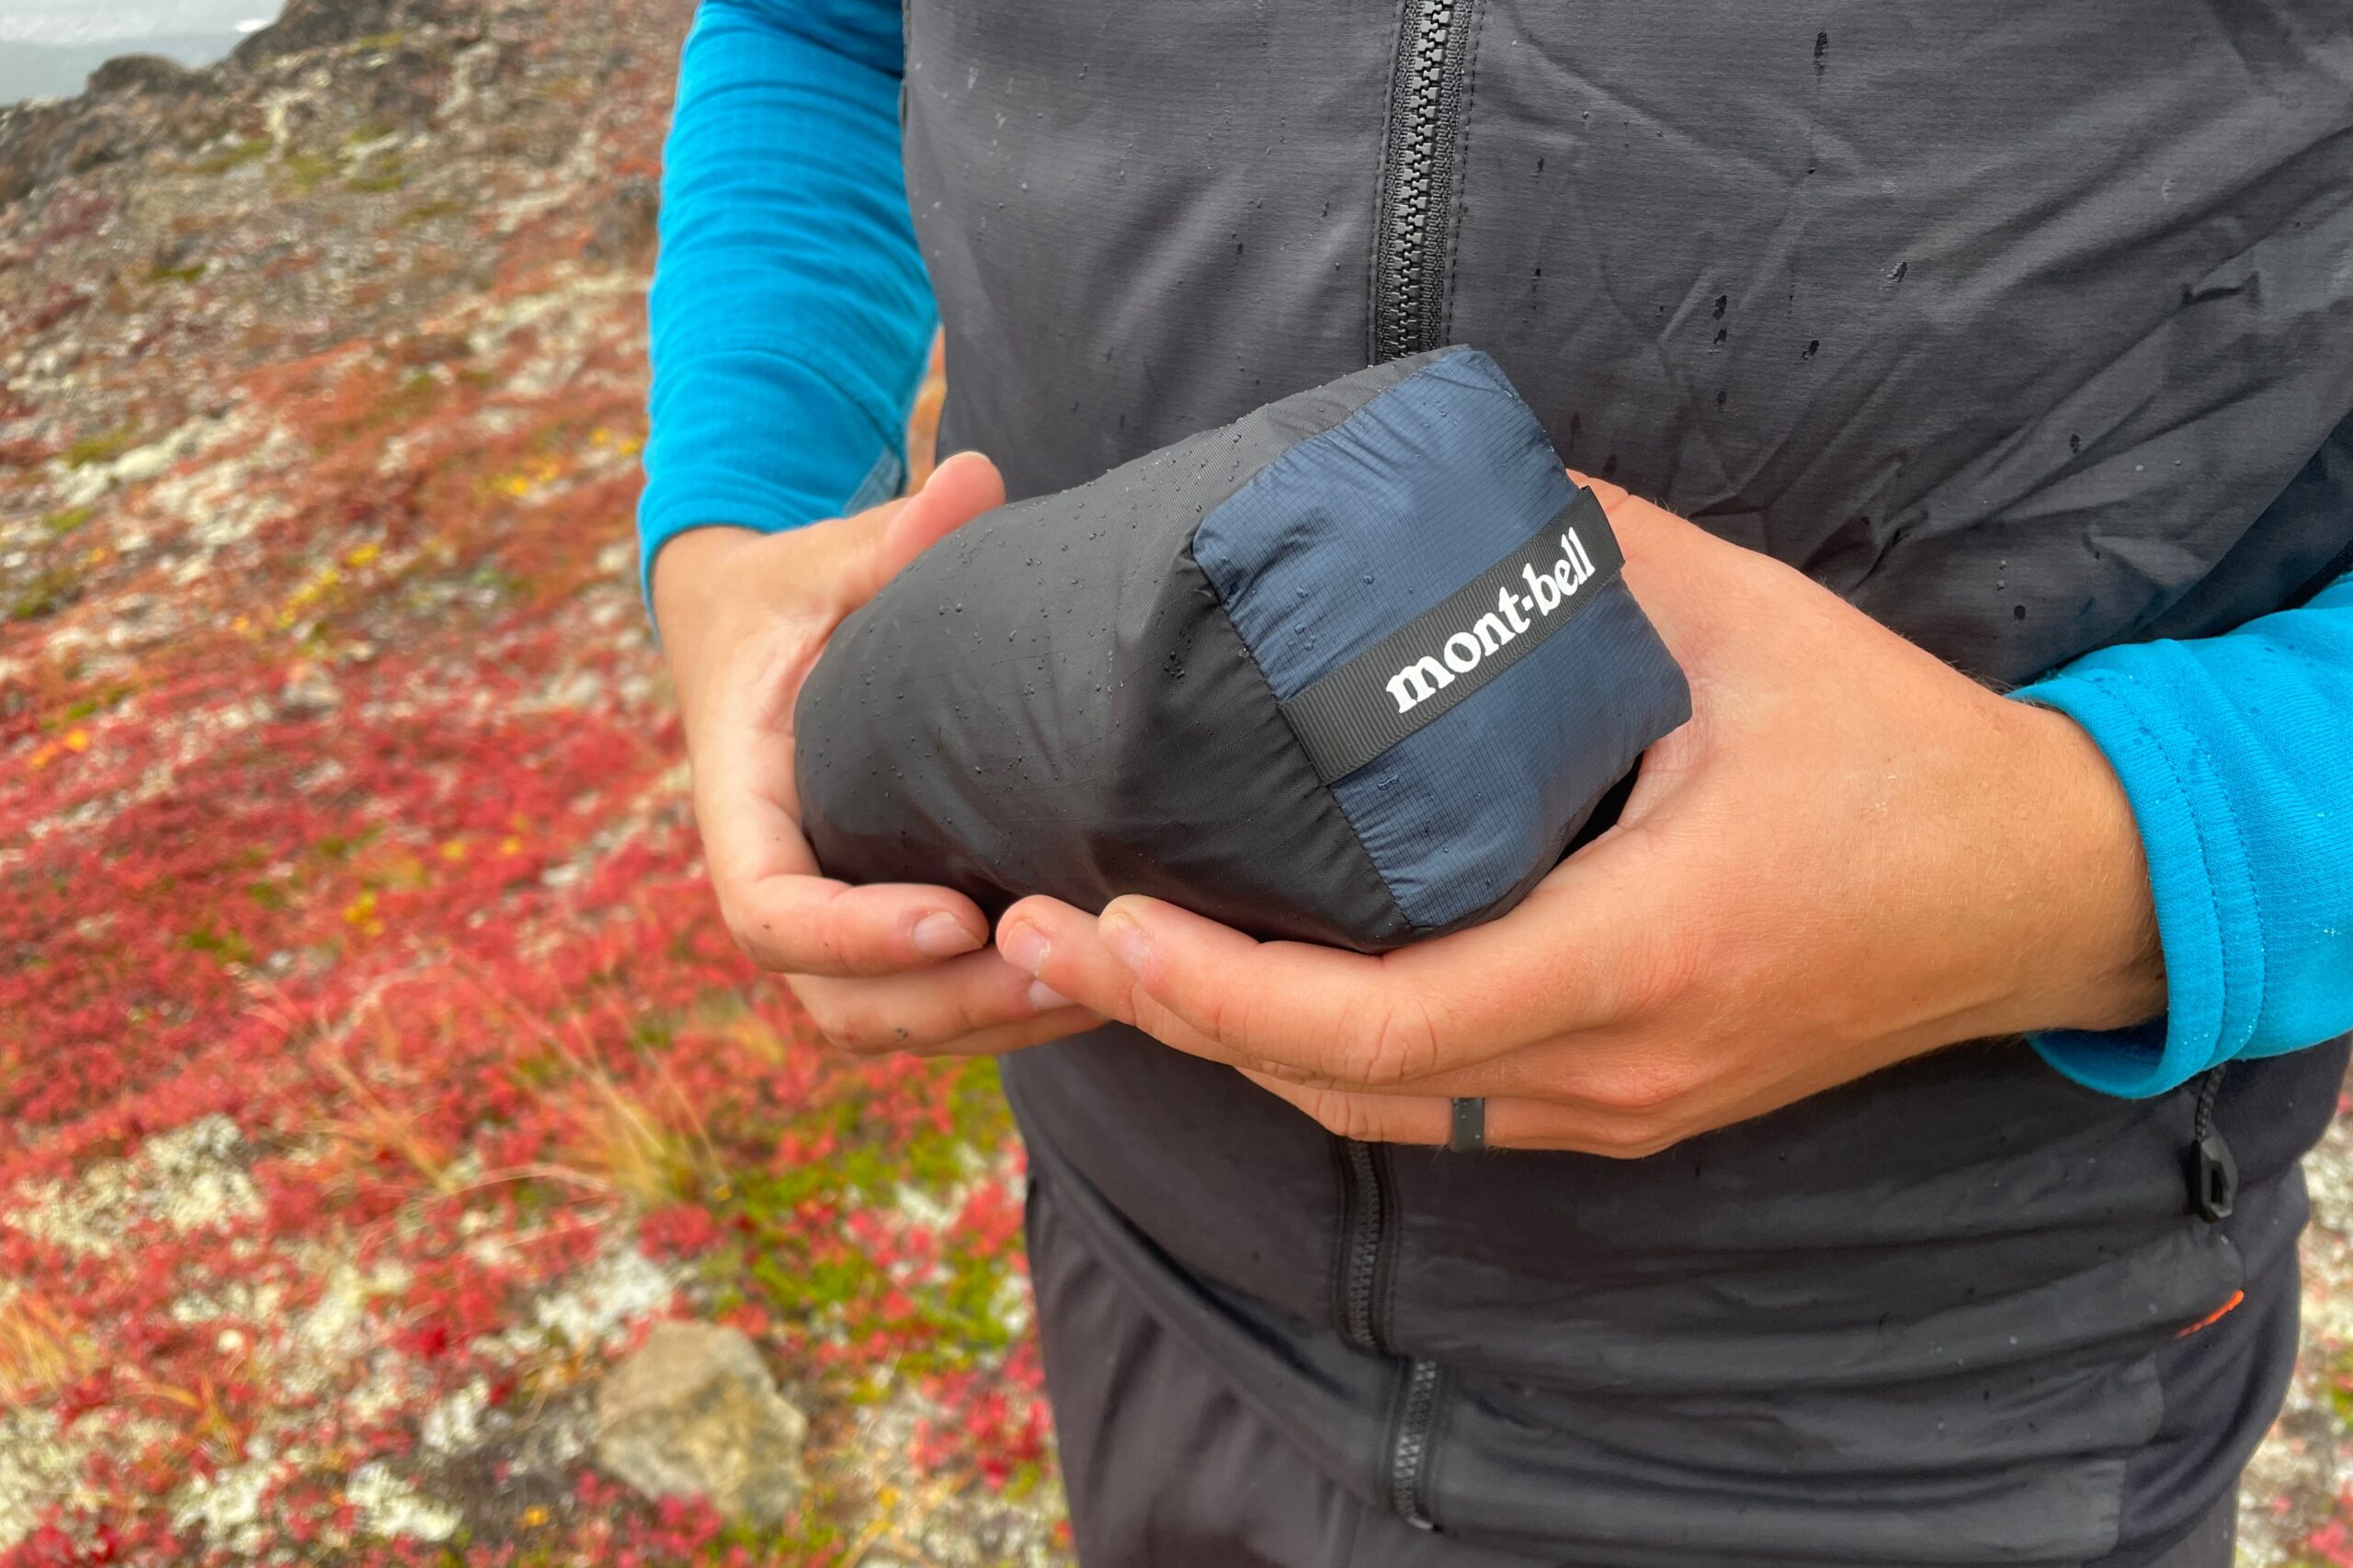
743,616
1851,854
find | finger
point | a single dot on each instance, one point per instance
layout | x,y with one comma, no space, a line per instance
1368,1119
959,490
1636,1074
1510,1124
1066,949
1006,1037
784,914
1060,947
931,1008
815,925
1310,1013
1063,947
1599,930
781,910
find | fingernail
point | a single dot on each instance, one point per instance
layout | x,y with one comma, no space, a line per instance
1125,937
1044,998
1023,947
943,936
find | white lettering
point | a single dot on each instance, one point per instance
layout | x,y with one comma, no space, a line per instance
1547,591
1418,682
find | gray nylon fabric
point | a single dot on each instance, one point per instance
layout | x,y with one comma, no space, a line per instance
1072,695
2030,330
1053,700
1209,1477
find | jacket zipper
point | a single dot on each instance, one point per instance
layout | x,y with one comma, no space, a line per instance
1417,183
1415,219
1365,1229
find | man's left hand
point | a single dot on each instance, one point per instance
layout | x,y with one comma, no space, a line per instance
1851,854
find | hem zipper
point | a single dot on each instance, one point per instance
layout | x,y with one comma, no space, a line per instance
2213,1169
1409,1448
1364,1215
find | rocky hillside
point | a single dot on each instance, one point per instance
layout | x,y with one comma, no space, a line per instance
375,1083
396,1162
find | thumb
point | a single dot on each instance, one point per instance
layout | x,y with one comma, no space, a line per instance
1641,526
958,491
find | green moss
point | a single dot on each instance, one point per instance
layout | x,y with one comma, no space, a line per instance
366,132
177,274
60,524
102,447
341,846
87,707
425,212
221,160
391,177
802,1272
376,40
497,578
47,594
226,946
304,171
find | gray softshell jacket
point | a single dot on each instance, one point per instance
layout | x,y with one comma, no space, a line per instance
2026,327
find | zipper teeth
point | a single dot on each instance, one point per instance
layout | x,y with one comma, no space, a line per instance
1363,1245
2208,1093
1409,1457
1408,244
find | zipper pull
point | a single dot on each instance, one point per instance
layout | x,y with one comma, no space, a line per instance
2213,1171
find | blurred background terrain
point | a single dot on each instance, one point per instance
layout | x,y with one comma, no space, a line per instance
376,1079
374,1073
49,47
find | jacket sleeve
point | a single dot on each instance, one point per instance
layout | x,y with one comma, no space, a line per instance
790,314
2237,752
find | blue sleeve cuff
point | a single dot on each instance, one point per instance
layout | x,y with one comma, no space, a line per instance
2236,754
2197,869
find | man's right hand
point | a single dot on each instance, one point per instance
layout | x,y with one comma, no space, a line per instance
888,967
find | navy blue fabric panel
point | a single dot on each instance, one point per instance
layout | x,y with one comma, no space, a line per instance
1455,815
1355,531
1358,531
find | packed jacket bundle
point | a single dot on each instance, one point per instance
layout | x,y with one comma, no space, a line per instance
1353,669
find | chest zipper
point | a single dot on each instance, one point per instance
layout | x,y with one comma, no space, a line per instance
1366,1227
1413,236
1417,178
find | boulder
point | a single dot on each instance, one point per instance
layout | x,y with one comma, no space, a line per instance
141,73
321,24
694,1413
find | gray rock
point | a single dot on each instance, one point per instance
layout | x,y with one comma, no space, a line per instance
694,1413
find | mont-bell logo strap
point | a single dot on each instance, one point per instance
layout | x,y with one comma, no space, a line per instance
1352,714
